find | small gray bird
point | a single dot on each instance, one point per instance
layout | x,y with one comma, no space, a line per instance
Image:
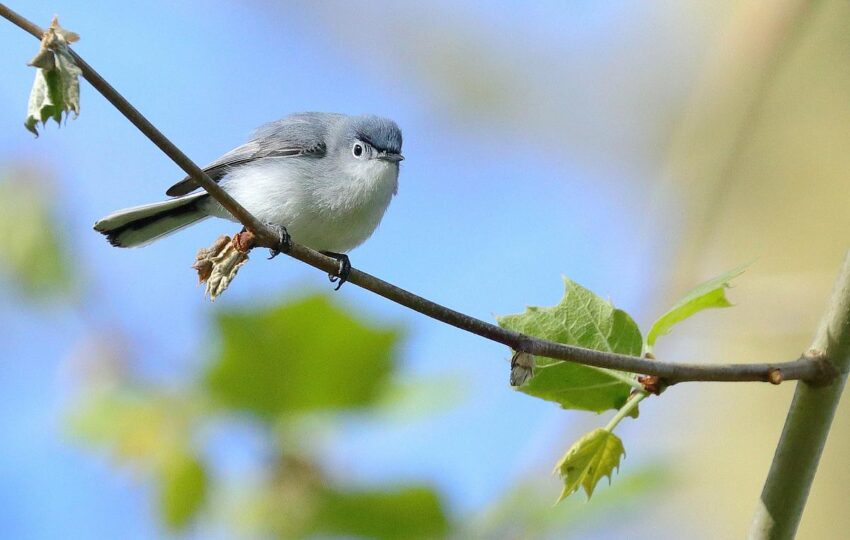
325,179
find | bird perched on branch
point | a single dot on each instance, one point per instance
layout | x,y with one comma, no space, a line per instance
323,179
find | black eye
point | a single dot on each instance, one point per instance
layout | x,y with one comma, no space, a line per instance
357,150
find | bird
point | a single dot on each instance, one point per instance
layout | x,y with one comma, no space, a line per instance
323,180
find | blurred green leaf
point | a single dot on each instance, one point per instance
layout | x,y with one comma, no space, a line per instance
130,424
523,511
301,356
182,489
34,257
404,513
56,88
710,294
421,397
148,430
591,458
586,320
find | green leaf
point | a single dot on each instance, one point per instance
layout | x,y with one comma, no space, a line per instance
585,320
56,89
578,387
399,514
148,431
134,424
131,424
182,489
593,457
710,294
34,257
297,357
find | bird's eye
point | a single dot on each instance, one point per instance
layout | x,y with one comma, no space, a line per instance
357,150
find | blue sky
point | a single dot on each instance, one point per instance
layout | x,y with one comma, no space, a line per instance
494,206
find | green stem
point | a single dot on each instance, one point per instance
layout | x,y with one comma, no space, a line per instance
807,425
624,377
626,409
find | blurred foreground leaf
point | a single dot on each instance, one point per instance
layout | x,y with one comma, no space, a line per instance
56,89
148,431
424,396
405,513
591,458
33,257
302,356
524,510
130,424
182,489
585,320
710,294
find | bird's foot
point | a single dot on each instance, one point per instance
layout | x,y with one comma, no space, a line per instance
344,268
284,243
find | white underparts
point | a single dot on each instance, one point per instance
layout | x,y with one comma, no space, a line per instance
323,207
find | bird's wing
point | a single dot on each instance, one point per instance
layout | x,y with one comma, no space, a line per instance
300,135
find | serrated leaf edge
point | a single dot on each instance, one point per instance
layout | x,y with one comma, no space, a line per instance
582,480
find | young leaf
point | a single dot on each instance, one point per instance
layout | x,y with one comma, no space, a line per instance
591,458
710,294
586,320
56,89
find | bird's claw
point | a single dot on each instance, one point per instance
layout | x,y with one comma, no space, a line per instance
284,243
344,268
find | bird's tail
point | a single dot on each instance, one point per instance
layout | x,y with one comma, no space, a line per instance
141,225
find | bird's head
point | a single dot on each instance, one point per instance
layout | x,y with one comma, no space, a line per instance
369,137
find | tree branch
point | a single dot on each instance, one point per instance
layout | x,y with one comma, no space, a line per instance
802,368
807,425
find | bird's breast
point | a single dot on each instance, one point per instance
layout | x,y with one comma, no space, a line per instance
345,206
325,209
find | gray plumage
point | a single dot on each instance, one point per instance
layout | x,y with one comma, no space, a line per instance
327,178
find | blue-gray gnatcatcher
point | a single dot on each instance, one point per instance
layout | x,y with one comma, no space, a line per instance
325,179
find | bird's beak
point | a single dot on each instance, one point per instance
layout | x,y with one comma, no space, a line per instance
393,158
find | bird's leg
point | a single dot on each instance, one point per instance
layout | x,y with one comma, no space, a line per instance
284,243
344,268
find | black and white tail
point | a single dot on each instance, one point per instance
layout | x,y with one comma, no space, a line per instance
141,225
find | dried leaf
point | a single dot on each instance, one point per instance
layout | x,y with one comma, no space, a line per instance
218,264
522,368
56,89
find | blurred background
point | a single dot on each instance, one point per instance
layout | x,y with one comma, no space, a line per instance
638,148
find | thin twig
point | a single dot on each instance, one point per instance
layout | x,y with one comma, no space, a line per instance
803,369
